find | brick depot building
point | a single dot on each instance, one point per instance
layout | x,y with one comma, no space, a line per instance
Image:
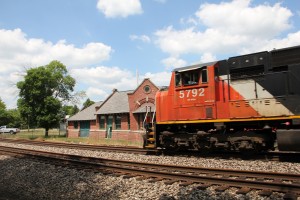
120,117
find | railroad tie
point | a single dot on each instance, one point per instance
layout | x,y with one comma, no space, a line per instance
186,183
156,180
128,176
243,190
141,178
222,188
203,186
265,192
290,196
170,182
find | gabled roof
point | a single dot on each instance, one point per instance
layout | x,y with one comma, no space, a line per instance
117,102
86,114
145,79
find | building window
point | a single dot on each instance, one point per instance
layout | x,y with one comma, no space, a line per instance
128,121
75,125
147,89
102,122
141,118
118,122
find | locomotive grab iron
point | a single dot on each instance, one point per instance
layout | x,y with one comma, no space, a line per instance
245,103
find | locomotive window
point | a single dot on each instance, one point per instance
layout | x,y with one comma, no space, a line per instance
204,75
190,77
178,81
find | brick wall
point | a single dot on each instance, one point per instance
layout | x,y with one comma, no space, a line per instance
124,121
139,95
94,125
73,133
97,134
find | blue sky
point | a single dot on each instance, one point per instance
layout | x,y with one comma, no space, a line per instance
104,42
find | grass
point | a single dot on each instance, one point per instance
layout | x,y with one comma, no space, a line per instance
56,136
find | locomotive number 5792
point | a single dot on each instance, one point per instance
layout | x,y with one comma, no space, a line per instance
191,93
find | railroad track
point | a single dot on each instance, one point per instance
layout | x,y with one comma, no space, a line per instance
269,156
246,181
83,146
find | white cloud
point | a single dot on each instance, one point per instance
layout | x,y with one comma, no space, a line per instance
207,57
239,17
18,53
117,8
94,93
102,80
18,50
143,38
230,28
173,62
160,78
291,39
104,77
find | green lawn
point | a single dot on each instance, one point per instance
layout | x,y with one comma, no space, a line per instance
56,136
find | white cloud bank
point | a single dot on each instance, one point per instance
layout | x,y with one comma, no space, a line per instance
16,49
18,53
102,80
234,27
119,8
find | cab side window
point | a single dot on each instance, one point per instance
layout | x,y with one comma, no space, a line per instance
204,76
191,77
178,81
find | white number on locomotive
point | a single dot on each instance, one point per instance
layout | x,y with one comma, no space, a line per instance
191,93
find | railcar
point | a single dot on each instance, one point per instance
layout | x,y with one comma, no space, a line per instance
245,103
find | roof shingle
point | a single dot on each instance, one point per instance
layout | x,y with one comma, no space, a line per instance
86,114
116,103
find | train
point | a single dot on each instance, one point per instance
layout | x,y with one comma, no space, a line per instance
246,103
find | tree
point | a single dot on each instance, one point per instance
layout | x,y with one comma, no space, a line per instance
87,103
70,110
9,117
42,92
2,105
75,110
15,117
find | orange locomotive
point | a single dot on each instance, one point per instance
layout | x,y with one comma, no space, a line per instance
246,103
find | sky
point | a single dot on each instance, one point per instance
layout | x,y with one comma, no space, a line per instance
107,44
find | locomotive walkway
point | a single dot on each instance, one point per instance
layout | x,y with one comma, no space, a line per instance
246,181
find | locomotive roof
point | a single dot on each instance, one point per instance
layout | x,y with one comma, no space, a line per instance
197,66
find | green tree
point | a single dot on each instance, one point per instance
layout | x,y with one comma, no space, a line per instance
70,110
87,103
4,116
42,92
75,110
9,117
2,105
15,117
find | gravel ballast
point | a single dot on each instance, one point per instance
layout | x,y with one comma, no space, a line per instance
28,179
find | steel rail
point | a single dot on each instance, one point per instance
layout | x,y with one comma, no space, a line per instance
287,183
82,146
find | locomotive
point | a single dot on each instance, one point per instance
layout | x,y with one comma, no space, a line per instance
245,103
